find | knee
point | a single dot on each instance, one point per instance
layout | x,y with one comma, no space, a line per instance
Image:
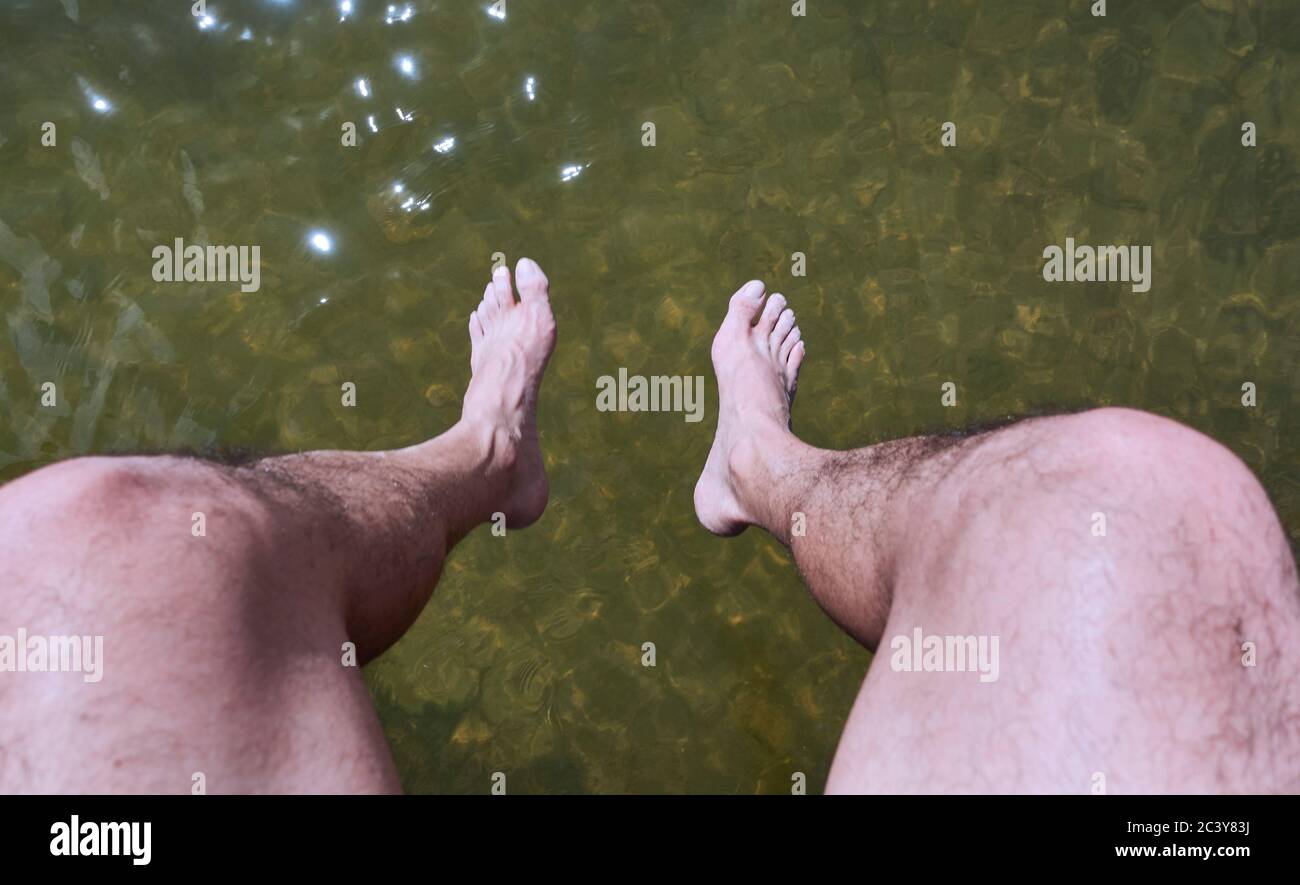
66,524
1144,481
70,491
1157,456
84,504
1177,487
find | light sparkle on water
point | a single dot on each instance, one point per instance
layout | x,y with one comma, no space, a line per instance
406,13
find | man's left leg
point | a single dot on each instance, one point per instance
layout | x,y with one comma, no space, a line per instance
1159,656
223,652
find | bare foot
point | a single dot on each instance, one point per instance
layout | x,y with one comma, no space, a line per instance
511,342
757,365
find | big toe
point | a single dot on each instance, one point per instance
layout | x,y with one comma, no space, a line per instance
531,282
744,306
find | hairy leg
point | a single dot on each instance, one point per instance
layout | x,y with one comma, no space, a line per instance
224,651
1126,565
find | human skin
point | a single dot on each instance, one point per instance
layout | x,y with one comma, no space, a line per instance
1122,654
1160,656
225,653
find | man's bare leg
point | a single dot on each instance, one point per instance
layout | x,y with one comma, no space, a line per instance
223,653
1123,662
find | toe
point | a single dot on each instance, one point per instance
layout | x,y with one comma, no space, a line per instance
793,363
744,305
475,328
771,313
787,347
501,287
533,285
783,326
487,308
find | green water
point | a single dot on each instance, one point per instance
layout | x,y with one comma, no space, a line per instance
775,135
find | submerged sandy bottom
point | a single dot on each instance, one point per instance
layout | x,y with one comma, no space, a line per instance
774,135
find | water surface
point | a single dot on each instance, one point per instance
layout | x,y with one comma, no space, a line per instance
775,135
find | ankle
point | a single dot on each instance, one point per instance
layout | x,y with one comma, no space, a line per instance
494,448
763,469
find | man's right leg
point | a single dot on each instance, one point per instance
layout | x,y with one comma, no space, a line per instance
1121,654
223,652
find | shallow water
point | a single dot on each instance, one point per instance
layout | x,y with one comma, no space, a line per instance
775,135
